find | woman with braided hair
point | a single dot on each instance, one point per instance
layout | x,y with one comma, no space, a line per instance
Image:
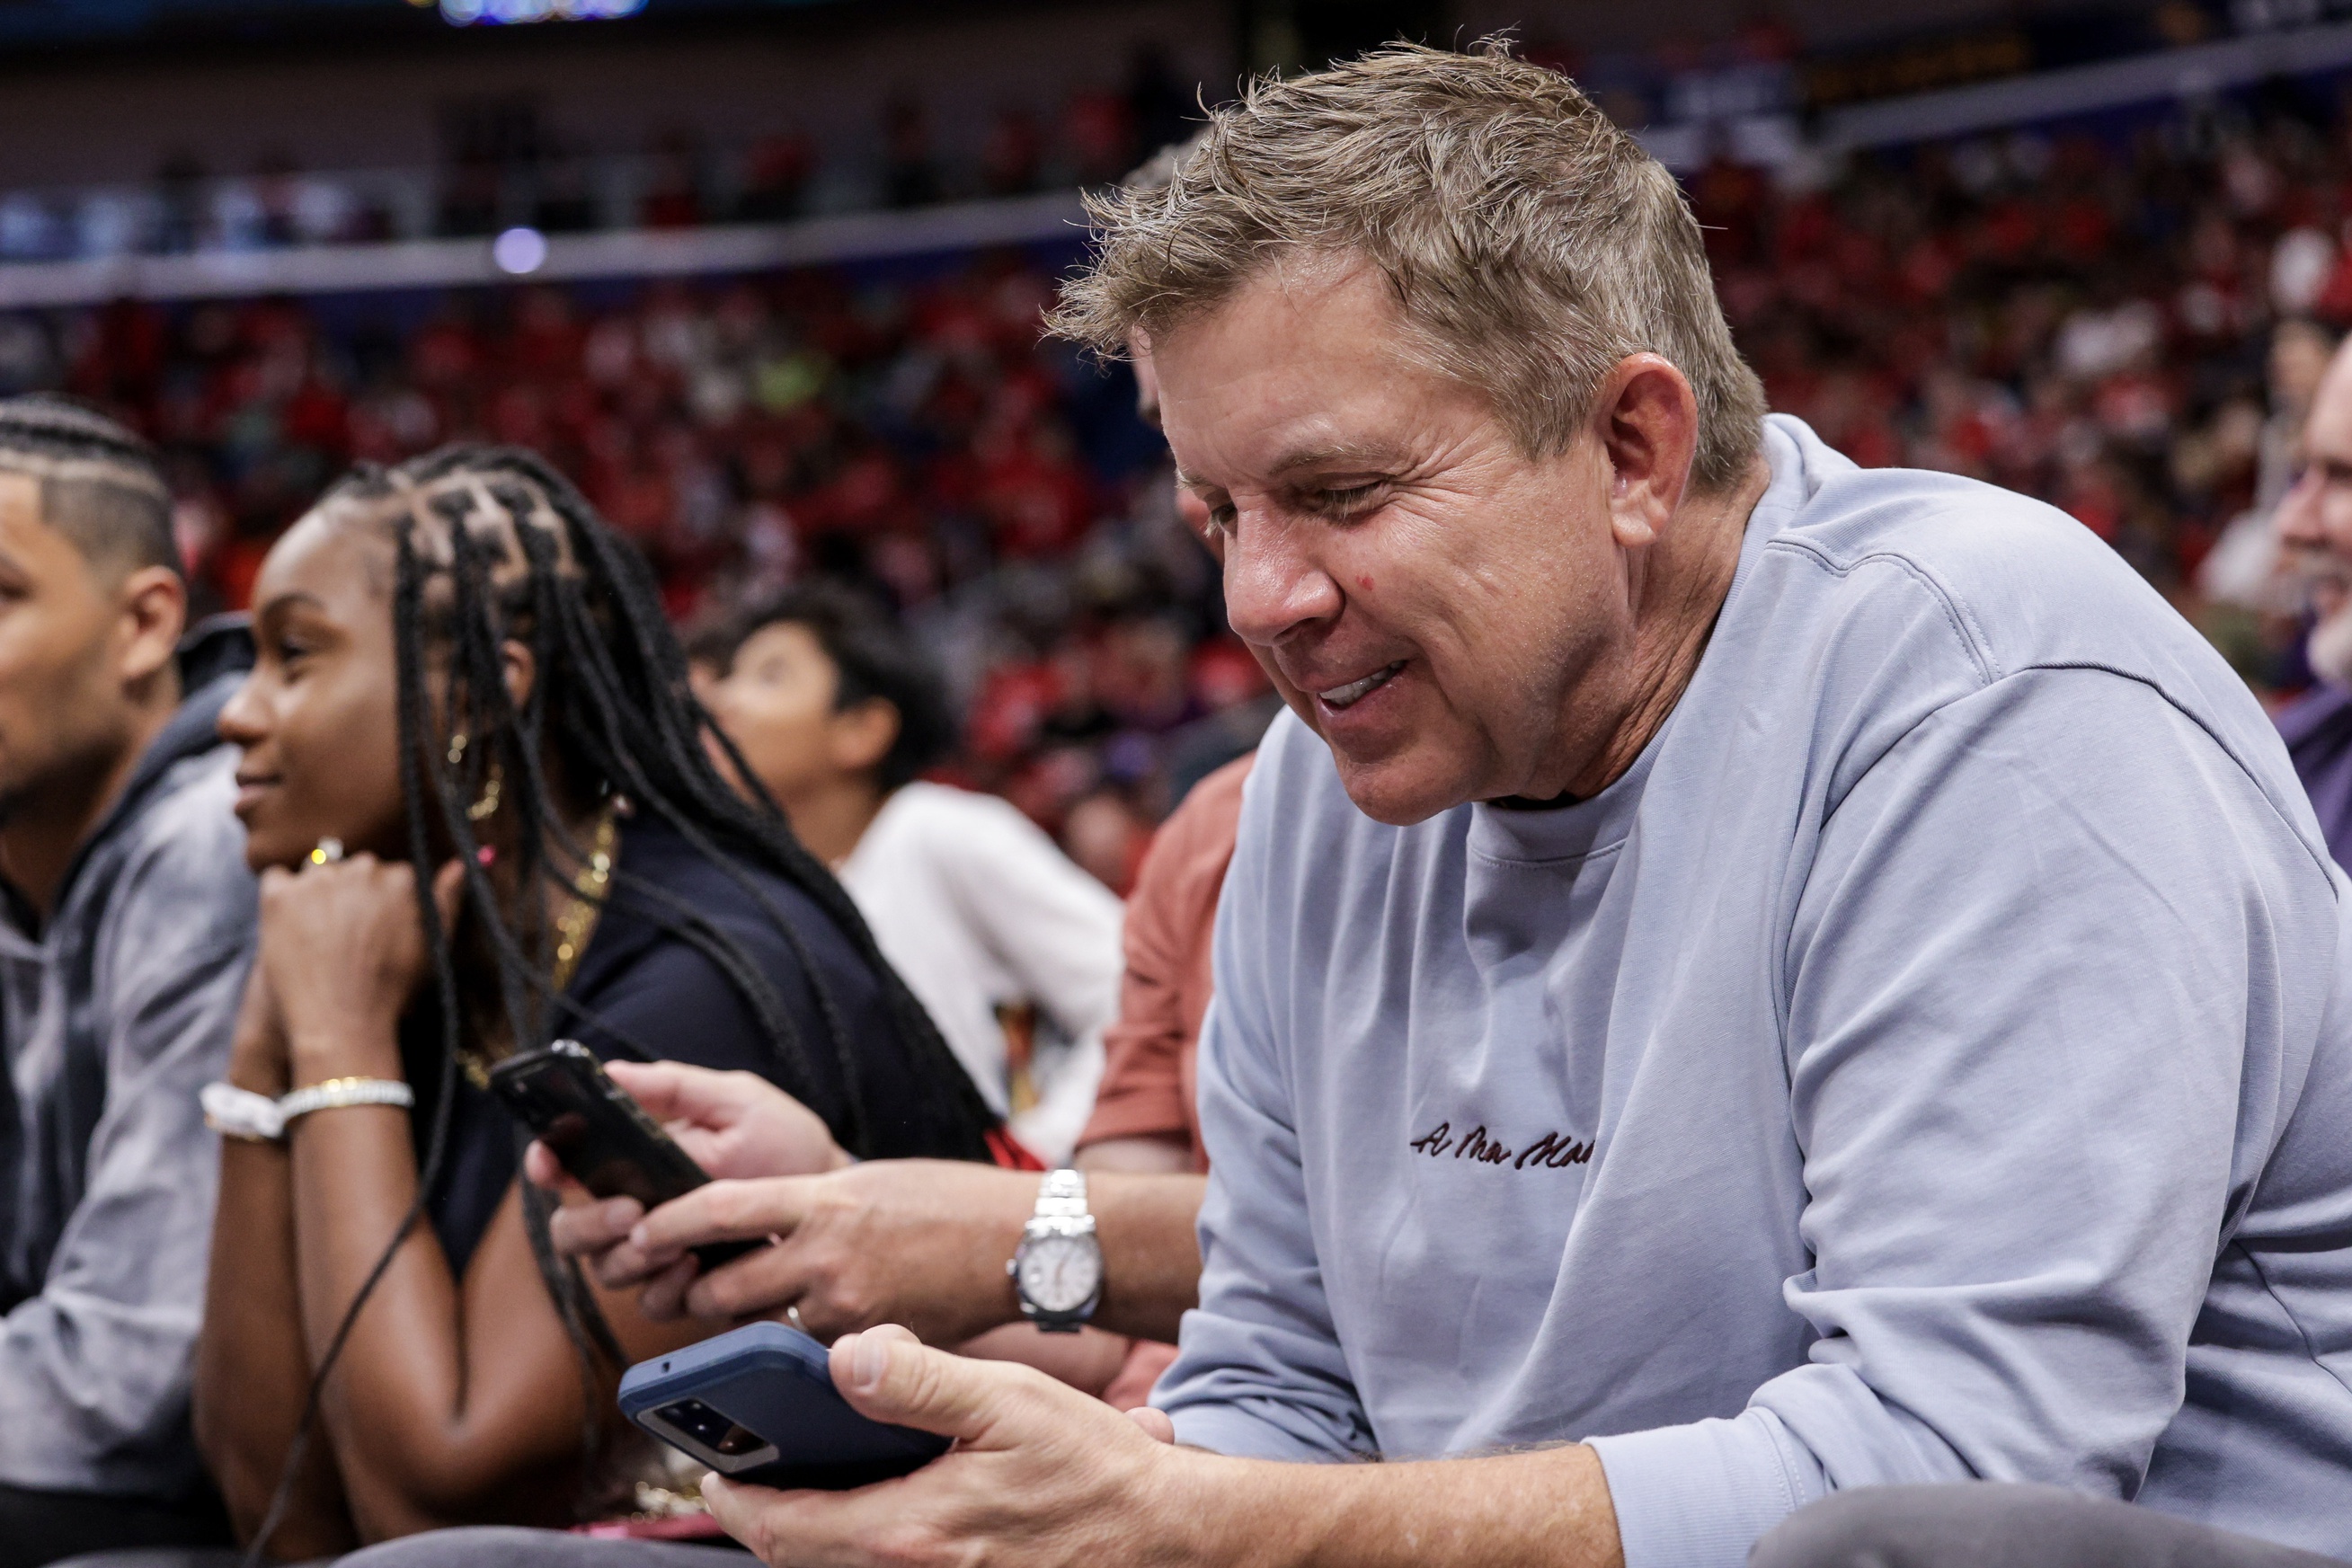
480,800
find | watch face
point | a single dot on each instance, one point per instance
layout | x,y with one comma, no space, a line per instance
1059,1273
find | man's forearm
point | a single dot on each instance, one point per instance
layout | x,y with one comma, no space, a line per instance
1151,1251
1147,1224
1550,1506
924,1244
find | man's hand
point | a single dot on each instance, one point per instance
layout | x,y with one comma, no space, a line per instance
1040,1476
732,1123
916,1241
1043,1477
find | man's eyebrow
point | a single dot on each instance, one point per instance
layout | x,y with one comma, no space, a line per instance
1335,455
1330,455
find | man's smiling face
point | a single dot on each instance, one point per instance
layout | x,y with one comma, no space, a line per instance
1425,595
2315,521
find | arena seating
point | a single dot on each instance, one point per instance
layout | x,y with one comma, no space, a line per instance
2081,318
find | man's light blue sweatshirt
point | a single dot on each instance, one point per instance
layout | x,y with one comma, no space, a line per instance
1932,1059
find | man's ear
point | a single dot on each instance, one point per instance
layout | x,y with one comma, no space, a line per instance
863,736
154,614
521,667
1647,423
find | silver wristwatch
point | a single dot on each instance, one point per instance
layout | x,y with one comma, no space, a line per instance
1058,1269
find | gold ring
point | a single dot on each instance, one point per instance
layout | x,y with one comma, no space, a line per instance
329,852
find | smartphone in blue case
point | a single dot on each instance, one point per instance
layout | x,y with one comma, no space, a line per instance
757,1403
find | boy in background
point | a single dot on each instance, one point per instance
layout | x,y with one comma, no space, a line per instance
837,713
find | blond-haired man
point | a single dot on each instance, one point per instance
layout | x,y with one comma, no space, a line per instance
1741,978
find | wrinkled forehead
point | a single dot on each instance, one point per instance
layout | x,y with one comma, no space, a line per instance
1304,366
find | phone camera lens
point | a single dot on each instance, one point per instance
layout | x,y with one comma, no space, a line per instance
740,1440
696,1420
717,1432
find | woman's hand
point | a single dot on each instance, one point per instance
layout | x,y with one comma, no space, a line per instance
342,952
257,1053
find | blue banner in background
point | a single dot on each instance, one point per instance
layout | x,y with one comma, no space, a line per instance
38,23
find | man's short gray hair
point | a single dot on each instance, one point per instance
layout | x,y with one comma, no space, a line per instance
1533,243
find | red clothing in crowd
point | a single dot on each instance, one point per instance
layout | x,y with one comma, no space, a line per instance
1150,1077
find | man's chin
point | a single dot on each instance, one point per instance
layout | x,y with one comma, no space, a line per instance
1401,790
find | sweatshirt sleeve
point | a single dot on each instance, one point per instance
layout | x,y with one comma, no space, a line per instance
1260,1373
2034,987
94,1369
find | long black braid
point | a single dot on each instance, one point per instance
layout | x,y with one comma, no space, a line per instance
611,705
492,545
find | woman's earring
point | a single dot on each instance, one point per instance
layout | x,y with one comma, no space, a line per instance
481,809
487,807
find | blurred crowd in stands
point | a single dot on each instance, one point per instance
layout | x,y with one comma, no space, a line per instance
2125,324
912,435
506,162
505,166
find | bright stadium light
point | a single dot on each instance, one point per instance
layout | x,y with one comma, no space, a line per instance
519,251
496,12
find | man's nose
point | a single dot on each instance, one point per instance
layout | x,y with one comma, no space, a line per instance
1273,584
2295,518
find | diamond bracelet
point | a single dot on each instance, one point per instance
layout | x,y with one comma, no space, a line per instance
242,1113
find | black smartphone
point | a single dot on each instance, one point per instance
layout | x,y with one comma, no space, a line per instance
758,1404
602,1135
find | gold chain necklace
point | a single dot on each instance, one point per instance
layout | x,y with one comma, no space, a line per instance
574,928
578,921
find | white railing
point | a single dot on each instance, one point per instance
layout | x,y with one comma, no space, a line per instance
451,263
1750,129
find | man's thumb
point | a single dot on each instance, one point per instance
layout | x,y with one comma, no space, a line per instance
888,1374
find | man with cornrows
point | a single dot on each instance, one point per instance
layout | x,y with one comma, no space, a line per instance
128,930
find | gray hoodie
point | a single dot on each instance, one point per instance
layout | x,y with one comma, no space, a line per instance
113,1017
